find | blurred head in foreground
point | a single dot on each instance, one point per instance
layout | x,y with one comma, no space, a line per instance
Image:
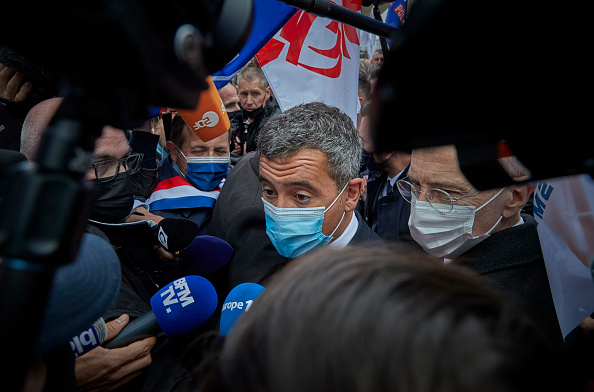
361,319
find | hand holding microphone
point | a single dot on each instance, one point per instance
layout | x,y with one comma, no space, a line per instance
103,369
178,308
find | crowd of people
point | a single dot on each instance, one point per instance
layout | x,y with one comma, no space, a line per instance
383,270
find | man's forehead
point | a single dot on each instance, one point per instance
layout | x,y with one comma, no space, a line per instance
112,142
307,161
194,140
228,93
436,166
254,84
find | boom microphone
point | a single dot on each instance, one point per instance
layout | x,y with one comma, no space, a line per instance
174,234
238,302
206,254
178,308
89,338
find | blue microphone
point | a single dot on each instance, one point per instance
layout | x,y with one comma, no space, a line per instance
178,308
237,302
207,254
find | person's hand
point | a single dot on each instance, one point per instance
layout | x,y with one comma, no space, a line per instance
164,256
237,149
103,369
144,216
587,326
12,86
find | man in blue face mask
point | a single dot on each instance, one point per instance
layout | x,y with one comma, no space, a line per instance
191,177
296,194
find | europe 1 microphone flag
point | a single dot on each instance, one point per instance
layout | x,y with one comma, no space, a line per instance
238,301
178,308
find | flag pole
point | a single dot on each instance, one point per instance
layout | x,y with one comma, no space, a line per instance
327,9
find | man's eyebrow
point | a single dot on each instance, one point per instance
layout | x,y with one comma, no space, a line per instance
106,156
304,184
434,184
103,157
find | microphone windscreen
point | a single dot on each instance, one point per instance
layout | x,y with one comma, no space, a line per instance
237,302
206,254
81,292
184,305
175,234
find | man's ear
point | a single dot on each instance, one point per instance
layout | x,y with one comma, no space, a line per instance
352,193
520,196
172,148
268,92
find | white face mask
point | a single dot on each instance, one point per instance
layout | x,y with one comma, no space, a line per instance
445,234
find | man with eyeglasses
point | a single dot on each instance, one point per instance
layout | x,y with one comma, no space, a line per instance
484,231
111,171
113,164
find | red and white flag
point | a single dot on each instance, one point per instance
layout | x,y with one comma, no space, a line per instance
314,59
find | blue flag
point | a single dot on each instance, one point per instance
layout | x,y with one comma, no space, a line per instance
269,17
396,14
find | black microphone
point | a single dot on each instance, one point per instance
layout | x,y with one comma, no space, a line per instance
174,234
178,308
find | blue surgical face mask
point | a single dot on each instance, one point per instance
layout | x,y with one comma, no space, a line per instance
207,173
295,231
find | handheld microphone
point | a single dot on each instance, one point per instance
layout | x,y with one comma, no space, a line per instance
89,338
207,254
178,308
174,234
237,302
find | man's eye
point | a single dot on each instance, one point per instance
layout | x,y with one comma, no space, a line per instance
302,198
268,192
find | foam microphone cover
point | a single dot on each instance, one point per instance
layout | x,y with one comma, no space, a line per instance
184,305
175,234
206,254
237,302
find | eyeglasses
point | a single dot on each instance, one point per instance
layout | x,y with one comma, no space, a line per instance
106,171
438,198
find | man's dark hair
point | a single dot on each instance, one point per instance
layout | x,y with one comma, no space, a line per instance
364,83
381,319
177,131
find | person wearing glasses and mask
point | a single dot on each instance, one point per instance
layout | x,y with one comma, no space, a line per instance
484,231
296,194
110,176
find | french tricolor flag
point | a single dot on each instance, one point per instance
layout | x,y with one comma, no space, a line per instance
177,193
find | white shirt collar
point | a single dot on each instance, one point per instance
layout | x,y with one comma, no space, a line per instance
347,235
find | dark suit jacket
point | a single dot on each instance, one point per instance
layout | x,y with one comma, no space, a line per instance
388,215
238,218
511,262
